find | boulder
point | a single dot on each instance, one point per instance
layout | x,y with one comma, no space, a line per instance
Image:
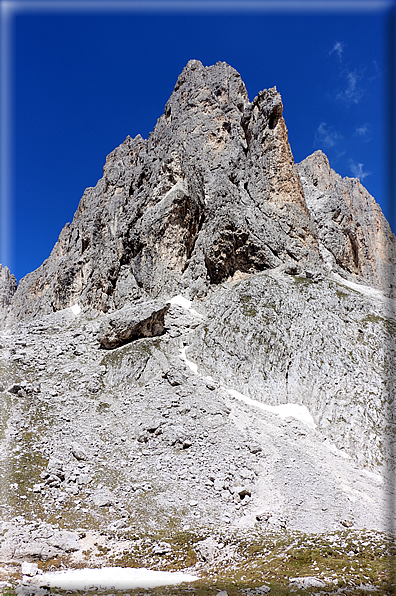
131,323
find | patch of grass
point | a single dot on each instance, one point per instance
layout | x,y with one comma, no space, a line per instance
244,562
342,295
298,279
103,407
250,312
387,324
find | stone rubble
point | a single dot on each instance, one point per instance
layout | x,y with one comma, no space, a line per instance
204,266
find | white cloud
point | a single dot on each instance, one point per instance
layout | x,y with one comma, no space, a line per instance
361,131
353,92
326,136
357,170
338,47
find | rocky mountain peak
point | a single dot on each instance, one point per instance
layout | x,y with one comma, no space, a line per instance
354,236
212,193
213,372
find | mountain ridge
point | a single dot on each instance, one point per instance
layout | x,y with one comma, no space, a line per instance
208,347
225,196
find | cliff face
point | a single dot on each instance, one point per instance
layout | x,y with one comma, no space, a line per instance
354,236
213,191
260,406
8,287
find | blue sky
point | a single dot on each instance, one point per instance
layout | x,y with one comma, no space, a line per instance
82,81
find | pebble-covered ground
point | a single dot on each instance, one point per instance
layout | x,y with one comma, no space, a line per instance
236,562
147,455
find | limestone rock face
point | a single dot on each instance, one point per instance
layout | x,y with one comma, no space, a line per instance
213,191
220,373
131,323
354,236
279,338
187,427
8,286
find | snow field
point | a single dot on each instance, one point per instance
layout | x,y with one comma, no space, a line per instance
118,578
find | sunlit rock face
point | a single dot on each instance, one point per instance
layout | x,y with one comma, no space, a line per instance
213,191
8,287
210,342
354,236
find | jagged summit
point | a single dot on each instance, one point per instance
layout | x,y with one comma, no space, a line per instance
264,403
354,236
213,192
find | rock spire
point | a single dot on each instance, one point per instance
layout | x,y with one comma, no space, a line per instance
212,193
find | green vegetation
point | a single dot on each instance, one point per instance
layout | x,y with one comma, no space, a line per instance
298,279
341,295
387,324
247,309
346,561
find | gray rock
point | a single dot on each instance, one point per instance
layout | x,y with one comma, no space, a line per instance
8,287
29,568
14,388
175,377
212,192
65,541
132,323
162,548
307,582
103,498
354,237
207,549
78,452
199,422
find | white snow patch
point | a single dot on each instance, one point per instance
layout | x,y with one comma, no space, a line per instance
185,303
373,476
334,449
283,410
366,290
181,301
195,313
75,309
189,363
117,578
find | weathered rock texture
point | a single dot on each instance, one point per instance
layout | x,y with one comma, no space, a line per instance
214,190
354,236
132,323
8,287
176,421
152,434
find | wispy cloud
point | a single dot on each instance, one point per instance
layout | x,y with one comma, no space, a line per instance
357,170
338,47
353,91
362,132
326,136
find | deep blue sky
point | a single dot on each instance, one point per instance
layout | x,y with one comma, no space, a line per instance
82,83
